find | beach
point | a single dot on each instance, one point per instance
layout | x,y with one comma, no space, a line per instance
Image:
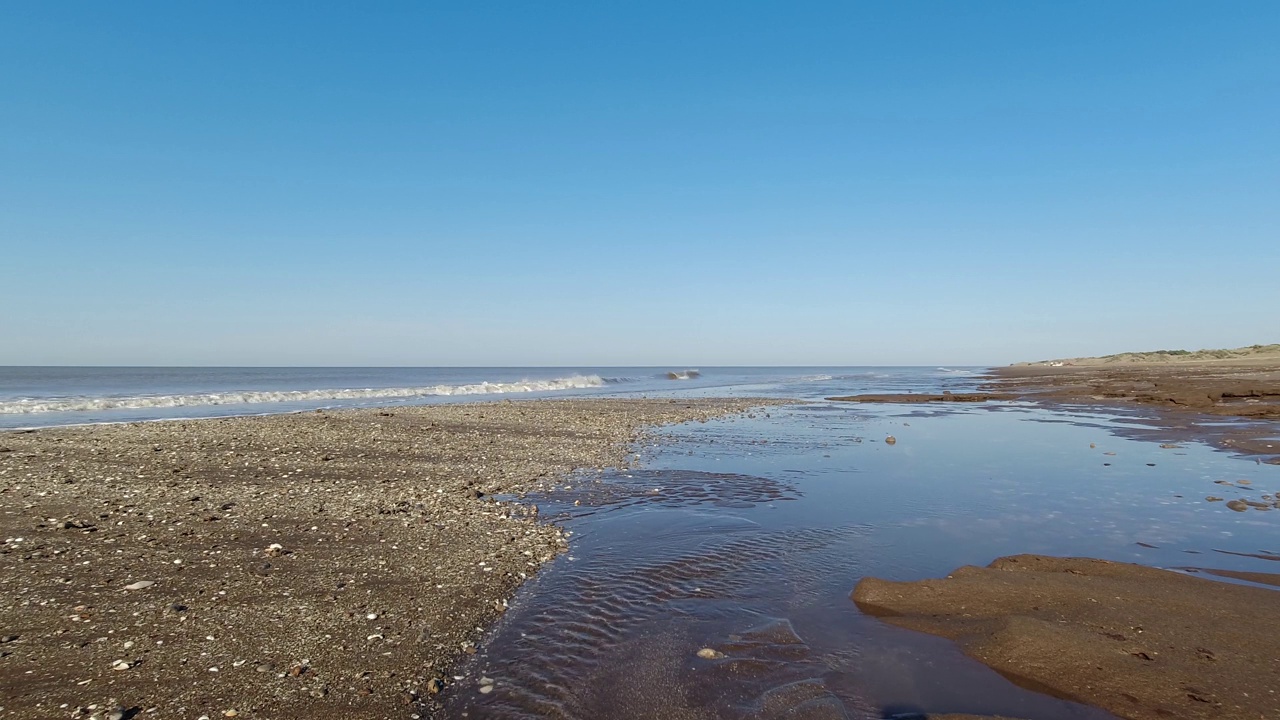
566,556
1188,395
320,564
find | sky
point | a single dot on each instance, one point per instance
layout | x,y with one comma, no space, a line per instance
584,184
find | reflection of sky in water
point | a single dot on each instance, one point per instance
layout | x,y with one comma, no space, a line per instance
649,581
971,484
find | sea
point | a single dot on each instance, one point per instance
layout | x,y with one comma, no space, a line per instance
745,535
50,396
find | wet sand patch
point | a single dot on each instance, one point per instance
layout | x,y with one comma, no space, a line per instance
1138,641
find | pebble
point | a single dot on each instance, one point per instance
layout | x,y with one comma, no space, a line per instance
486,689
1237,505
140,585
710,654
891,440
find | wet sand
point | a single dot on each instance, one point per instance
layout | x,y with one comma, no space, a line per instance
1187,401
1226,388
326,564
1137,641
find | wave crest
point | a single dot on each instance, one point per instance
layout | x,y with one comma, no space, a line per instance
256,397
683,375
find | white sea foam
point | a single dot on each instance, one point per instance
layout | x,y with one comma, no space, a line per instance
256,397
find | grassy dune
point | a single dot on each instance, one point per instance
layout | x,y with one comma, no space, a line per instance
1249,354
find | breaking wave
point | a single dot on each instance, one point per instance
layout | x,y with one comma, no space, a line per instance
683,375
255,397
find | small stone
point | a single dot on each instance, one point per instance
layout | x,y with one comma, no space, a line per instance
891,440
116,714
710,654
1213,498
121,665
1237,505
140,585
435,685
486,689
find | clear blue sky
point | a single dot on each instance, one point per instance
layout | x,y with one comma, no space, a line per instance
635,183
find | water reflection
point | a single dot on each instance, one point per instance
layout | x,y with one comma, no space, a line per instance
744,537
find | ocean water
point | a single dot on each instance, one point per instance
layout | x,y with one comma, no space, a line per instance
46,396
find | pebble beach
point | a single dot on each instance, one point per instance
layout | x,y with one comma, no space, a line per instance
321,564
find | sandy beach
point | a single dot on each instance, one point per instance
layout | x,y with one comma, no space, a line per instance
325,564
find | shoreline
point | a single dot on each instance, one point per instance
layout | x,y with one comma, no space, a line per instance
1232,405
356,553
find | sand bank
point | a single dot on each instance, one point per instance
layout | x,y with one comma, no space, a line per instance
1137,641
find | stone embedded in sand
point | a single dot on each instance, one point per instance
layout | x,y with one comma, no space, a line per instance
1237,505
1213,498
710,654
140,585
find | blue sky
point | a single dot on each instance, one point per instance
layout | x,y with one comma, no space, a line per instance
635,183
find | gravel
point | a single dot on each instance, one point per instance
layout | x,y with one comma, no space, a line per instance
327,564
